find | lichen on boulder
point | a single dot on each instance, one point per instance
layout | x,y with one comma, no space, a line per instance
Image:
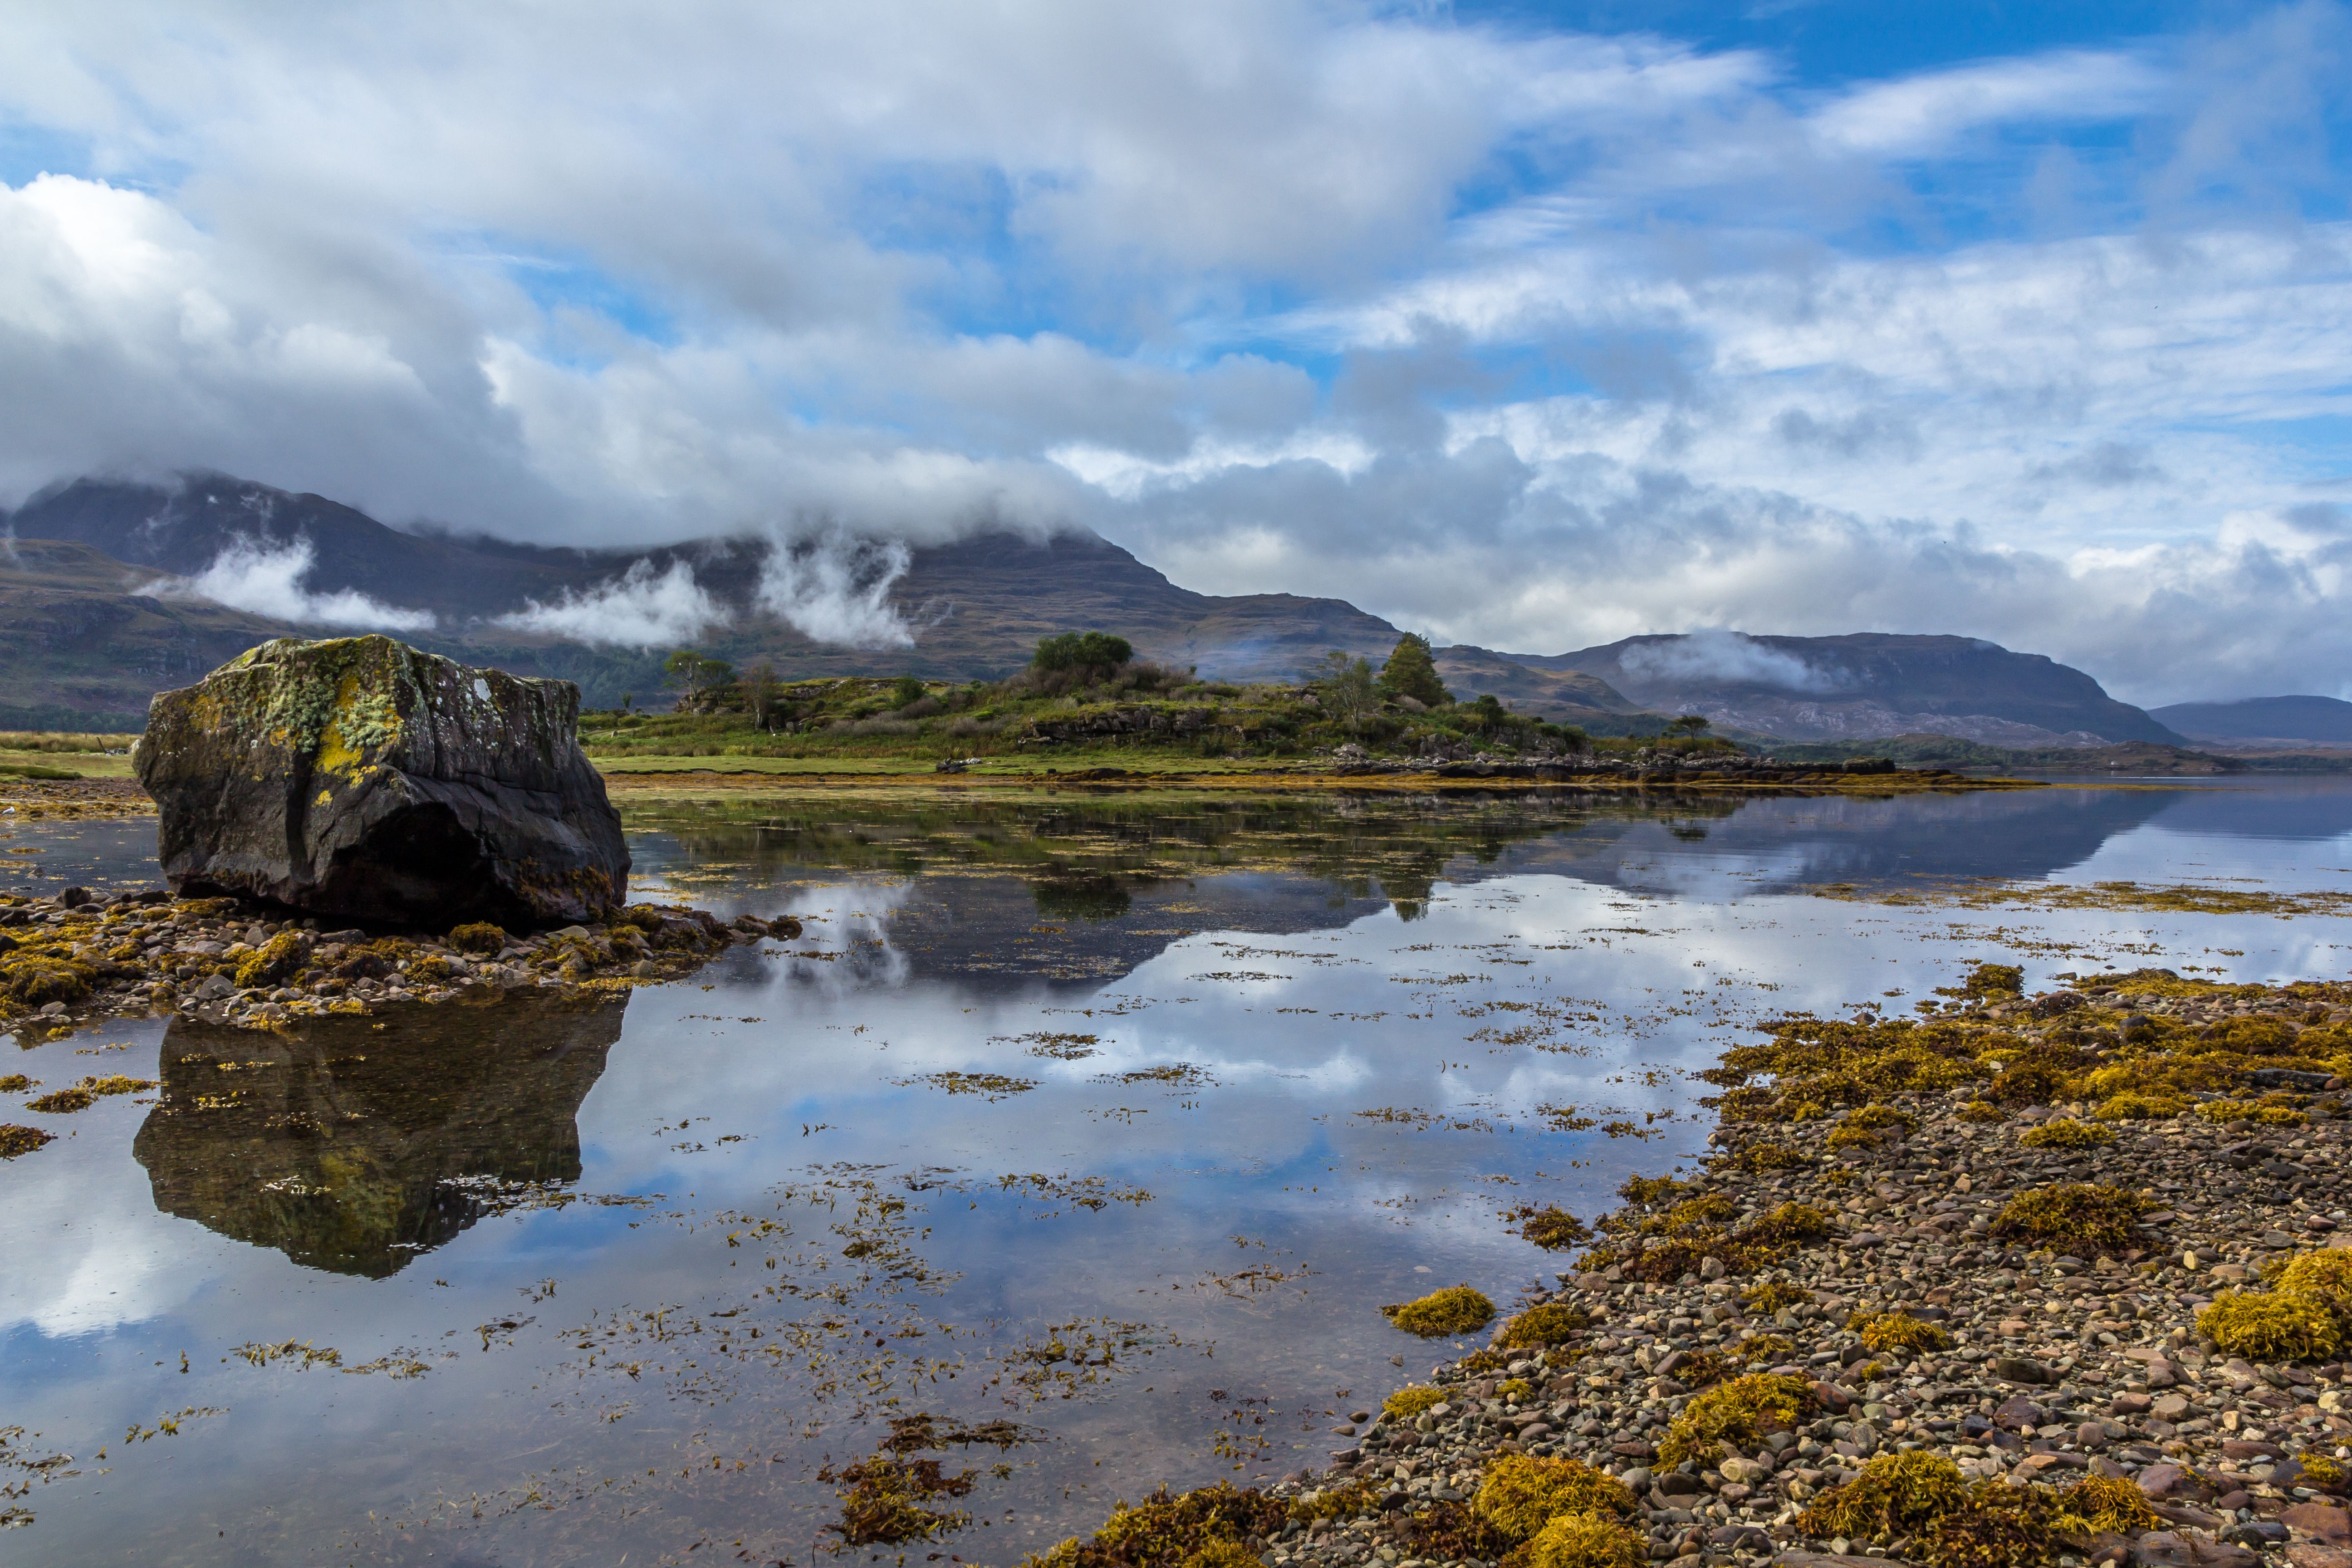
362,779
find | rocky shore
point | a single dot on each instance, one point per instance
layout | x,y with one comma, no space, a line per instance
1650,768
2057,1280
73,956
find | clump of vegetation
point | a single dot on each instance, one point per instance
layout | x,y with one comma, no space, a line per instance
1204,1527
1774,1294
1895,1494
13,1083
1540,1328
1818,1064
2271,1325
62,1101
1988,981
1516,1391
1665,1246
2324,1277
1408,1402
1554,1229
2078,1215
1897,1331
1457,1309
482,939
2251,1111
2324,1471
887,1499
2132,1105
1744,1411
1982,1111
1882,1115
1343,1502
275,961
15,1140
1764,1350
1521,1493
117,1083
2068,1135
1584,1540
1846,1135
1758,1158
2108,1504
37,979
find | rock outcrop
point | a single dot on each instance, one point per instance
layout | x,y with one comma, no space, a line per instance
360,779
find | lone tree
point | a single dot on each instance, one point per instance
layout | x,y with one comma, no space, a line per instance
695,675
1411,672
1082,650
1690,724
1348,691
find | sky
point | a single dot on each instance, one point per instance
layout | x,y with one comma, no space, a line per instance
1531,325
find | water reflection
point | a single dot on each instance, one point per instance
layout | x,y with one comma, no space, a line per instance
353,1144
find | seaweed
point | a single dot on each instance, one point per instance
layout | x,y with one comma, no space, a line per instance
2271,1325
1553,1229
1520,1494
1457,1309
2068,1135
483,938
1743,1411
1897,1331
15,1140
1540,1328
1408,1402
1210,1523
1583,1540
1895,1495
2077,1214
1774,1294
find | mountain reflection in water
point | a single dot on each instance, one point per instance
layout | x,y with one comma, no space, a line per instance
352,1145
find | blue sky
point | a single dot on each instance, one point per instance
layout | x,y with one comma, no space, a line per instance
1531,325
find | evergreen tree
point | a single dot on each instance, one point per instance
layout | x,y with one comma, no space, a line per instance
1411,672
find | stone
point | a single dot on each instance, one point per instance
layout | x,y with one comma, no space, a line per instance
2328,1525
2312,1554
2020,1369
2017,1414
359,778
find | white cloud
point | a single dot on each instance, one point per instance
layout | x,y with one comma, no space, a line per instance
1926,113
1712,654
637,609
836,589
266,579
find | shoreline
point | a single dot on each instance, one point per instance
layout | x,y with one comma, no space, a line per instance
1463,778
1941,1361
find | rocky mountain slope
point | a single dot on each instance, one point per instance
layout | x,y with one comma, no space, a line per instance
94,624
1863,686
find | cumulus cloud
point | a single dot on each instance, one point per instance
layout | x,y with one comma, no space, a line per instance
1526,334
266,579
640,609
1725,656
836,589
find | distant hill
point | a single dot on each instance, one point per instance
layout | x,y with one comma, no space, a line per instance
1864,686
92,625
2323,719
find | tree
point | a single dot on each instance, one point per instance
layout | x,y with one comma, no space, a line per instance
1691,725
694,676
1349,692
1082,650
1487,712
905,689
762,691
1410,671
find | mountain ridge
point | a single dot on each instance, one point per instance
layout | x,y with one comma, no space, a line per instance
969,609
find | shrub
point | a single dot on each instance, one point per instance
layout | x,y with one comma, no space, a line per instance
1742,1411
1457,1309
482,939
1410,1401
1540,1327
1895,1494
1584,1540
2078,1213
2270,1325
1897,1331
1080,650
2069,1135
1520,1494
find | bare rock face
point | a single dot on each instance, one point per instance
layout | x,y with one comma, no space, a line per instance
360,779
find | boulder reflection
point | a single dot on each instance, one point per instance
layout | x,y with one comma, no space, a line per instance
352,1145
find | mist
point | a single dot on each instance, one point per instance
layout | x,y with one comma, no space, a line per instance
267,580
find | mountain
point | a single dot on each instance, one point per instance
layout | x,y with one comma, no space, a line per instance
2323,720
1863,686
108,611
85,640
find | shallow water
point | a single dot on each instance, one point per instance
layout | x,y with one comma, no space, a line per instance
1059,1112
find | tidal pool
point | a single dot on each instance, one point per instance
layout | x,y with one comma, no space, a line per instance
1112,1119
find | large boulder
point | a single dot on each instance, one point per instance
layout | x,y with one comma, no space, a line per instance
360,779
